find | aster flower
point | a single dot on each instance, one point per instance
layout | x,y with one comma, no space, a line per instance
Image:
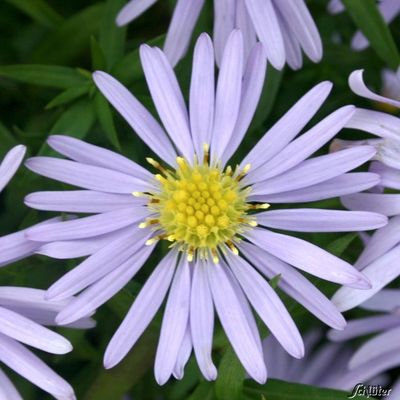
285,27
382,351
23,311
325,365
379,260
212,215
389,9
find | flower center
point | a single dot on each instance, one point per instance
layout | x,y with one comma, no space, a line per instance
201,208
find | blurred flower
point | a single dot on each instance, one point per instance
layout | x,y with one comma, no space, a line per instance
379,260
206,211
389,9
381,352
23,311
285,28
325,364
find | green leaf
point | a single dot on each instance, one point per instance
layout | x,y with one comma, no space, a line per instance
112,37
129,68
39,10
98,58
231,375
116,382
7,140
68,95
339,246
43,75
71,38
204,391
369,20
76,121
281,390
105,117
274,281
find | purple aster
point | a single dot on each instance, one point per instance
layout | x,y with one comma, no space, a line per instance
212,216
325,365
284,27
389,9
382,351
23,311
379,260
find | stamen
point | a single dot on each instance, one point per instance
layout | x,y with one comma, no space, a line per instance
233,248
156,165
243,173
206,156
262,206
214,256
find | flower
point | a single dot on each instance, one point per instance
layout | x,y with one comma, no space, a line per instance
389,9
285,28
211,215
325,365
23,311
381,352
378,261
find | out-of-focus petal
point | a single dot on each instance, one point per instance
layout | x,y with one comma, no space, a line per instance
386,204
10,164
132,10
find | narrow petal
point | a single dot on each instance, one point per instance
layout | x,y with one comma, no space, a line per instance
228,94
167,98
253,81
142,311
266,24
15,247
26,364
319,220
245,24
26,331
364,326
87,176
357,85
390,177
10,164
381,242
7,389
341,185
85,153
235,323
386,204
386,300
268,305
82,201
202,92
98,265
380,272
66,249
376,122
304,146
173,328
295,285
181,28
303,26
315,170
183,355
224,24
132,10
283,132
86,227
308,257
202,320
137,116
386,342
101,291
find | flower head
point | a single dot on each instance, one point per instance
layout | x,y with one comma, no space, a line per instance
284,27
212,216
381,352
378,261
23,312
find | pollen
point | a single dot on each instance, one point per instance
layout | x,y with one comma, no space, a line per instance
200,208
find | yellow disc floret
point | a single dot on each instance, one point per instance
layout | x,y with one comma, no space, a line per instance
200,208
